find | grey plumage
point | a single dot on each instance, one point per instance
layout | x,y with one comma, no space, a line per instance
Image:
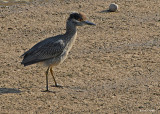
49,48
54,50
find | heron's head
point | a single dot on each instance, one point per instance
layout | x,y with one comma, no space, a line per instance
79,19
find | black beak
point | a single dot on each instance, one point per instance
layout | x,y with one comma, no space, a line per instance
89,23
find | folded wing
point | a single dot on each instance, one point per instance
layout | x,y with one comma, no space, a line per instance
43,51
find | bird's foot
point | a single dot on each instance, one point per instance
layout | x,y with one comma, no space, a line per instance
46,91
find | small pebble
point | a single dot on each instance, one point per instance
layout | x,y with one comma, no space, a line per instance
113,7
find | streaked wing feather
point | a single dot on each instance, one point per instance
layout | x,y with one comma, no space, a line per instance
44,52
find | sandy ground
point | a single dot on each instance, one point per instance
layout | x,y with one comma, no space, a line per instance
114,67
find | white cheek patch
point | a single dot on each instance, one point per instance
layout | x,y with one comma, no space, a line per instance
76,21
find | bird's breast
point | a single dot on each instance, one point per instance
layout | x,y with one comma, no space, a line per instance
63,56
70,42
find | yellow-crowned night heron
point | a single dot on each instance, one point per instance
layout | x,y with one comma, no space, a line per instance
54,50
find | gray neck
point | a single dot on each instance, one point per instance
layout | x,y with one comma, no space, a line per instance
70,35
70,29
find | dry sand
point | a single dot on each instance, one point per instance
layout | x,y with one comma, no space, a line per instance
114,67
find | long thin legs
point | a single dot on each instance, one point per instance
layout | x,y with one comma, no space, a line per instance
53,77
49,68
47,78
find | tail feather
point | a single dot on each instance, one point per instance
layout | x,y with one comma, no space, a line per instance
26,64
29,63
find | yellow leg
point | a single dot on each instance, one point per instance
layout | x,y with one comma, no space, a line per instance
53,77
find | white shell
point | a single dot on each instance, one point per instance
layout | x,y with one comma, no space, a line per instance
113,7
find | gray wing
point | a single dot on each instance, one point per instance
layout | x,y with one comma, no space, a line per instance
43,51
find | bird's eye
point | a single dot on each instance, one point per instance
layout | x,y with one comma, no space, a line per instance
80,19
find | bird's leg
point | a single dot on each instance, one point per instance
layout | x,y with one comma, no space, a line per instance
47,79
53,77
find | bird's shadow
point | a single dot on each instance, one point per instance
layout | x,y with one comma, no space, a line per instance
9,90
77,89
